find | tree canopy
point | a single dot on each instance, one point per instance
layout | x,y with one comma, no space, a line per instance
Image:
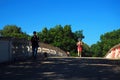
62,37
13,31
107,41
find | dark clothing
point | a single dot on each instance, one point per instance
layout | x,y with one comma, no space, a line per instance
35,41
34,52
35,45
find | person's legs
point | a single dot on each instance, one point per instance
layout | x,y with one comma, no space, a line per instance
35,52
78,53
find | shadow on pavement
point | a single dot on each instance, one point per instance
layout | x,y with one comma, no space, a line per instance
60,69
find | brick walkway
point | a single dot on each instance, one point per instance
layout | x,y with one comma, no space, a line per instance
62,69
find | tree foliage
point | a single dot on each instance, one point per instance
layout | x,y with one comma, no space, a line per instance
107,41
13,31
62,37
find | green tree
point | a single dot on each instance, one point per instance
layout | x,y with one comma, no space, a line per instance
86,51
44,35
79,34
107,41
62,37
13,31
58,36
67,31
96,50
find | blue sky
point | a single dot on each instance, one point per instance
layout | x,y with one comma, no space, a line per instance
94,17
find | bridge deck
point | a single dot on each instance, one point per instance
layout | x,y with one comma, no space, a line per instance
56,68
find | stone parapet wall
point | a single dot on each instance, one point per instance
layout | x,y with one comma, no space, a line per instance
15,49
5,54
51,50
114,52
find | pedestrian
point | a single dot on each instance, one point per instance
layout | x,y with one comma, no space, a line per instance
79,48
35,44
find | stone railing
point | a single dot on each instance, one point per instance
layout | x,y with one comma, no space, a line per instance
5,50
51,50
19,48
15,49
114,52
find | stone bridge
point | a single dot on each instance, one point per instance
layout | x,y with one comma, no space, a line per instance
54,68
15,49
